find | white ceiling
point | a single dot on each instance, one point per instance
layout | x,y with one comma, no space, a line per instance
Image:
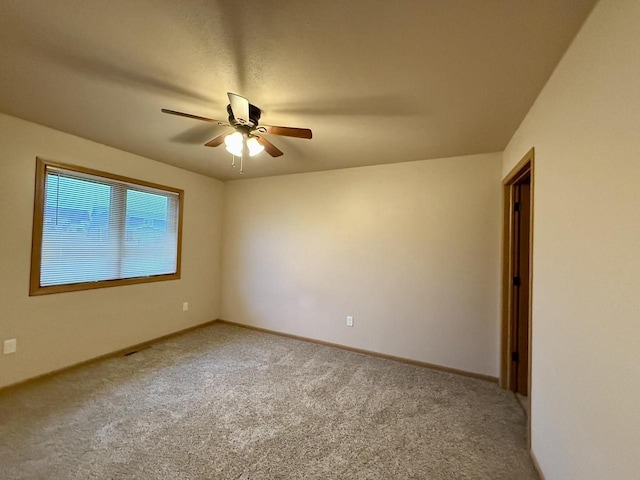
377,82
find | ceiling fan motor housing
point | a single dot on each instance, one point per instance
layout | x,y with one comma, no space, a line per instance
254,116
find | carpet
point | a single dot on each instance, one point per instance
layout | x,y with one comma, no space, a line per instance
223,402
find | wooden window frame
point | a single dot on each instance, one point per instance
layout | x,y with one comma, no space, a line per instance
38,225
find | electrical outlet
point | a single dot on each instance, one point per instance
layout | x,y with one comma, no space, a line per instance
185,306
349,321
10,346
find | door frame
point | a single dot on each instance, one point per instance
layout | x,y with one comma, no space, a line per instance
524,166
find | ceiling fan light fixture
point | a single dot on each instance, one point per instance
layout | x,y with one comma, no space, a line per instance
234,143
244,118
254,146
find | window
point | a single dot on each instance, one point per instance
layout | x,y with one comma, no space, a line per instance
93,229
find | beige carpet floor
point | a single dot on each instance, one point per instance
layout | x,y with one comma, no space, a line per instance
224,402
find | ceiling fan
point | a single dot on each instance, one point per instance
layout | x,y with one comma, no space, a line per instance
244,118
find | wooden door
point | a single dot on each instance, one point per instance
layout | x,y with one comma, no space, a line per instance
520,315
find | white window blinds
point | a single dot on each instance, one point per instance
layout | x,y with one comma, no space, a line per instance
98,228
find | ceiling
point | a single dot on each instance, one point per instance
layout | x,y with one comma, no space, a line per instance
377,82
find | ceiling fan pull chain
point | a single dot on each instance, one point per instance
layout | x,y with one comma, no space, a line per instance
233,161
241,158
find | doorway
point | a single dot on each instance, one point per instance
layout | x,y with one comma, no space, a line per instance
515,372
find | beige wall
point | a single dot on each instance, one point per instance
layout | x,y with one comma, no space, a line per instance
54,331
411,250
585,127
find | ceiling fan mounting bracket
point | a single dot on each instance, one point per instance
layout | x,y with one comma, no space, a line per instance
252,122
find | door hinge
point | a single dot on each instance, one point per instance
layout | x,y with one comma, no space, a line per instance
516,207
516,281
515,357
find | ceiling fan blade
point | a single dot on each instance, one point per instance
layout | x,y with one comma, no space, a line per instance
269,147
286,131
188,115
219,140
239,107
